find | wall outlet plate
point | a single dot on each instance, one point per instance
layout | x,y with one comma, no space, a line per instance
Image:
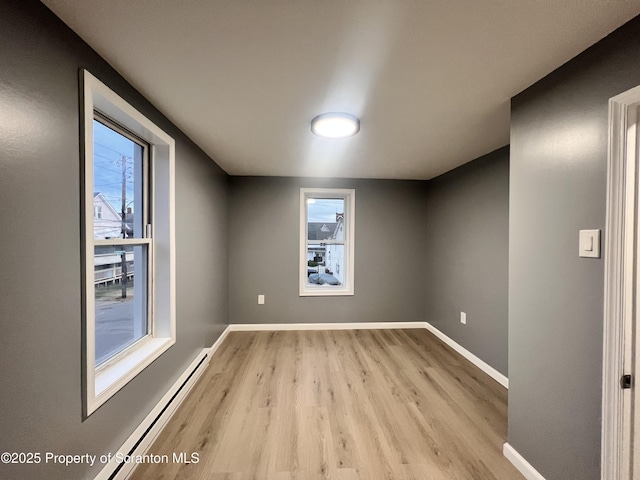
260,299
463,318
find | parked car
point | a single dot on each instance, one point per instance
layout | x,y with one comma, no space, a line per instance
323,278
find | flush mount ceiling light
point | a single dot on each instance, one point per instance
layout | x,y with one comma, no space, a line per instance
335,125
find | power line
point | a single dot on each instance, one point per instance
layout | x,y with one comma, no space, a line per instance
96,185
111,161
130,173
109,148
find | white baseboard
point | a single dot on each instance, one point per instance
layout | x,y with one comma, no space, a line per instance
520,463
219,341
269,327
482,365
143,437
255,327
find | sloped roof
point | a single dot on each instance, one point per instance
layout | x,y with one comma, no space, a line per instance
128,217
321,230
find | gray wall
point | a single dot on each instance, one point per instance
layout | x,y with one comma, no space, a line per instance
264,253
466,252
40,291
558,186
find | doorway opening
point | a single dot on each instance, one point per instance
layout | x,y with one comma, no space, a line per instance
621,365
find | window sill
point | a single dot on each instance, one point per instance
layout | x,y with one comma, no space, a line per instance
322,291
116,376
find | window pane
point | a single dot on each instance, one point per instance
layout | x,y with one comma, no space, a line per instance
325,219
117,185
325,264
120,298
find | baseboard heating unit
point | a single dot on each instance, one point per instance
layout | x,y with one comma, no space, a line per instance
146,433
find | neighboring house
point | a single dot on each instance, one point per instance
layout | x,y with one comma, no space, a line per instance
330,257
335,252
319,231
107,222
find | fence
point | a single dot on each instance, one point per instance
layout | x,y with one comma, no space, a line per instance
110,275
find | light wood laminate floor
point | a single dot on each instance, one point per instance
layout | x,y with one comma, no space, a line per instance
344,405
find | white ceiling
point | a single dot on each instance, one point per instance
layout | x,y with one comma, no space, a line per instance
430,79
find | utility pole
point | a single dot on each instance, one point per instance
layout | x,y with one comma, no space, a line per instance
123,214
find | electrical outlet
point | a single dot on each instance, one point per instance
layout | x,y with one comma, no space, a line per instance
463,318
260,299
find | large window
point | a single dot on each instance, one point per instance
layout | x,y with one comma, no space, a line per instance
121,278
326,241
129,249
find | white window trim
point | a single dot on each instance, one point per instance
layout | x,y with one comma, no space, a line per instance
103,384
349,195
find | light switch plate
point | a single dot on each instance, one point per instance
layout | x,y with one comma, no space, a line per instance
260,299
589,243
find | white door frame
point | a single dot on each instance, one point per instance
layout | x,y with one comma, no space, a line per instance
619,284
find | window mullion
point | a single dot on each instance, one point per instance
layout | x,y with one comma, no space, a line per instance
122,241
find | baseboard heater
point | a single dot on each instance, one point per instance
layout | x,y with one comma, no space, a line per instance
143,437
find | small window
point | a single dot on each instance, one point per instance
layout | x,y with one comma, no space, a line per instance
129,249
326,241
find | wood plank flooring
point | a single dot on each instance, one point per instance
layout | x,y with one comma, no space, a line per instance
344,405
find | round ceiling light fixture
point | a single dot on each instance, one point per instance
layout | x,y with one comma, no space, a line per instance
335,125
